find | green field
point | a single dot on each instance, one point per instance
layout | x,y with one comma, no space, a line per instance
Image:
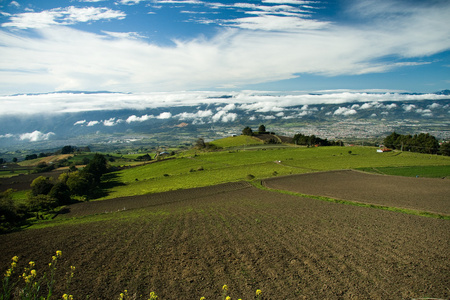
209,168
413,171
237,141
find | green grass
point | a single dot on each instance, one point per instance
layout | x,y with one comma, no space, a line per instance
237,141
226,166
9,173
412,171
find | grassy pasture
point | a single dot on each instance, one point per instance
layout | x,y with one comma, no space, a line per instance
237,141
211,168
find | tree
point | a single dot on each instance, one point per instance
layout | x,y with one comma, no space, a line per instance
2,161
31,156
262,129
67,150
41,186
247,131
97,167
14,159
79,183
61,193
445,149
200,143
391,140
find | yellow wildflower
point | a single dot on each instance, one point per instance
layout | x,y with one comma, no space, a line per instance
228,298
225,287
258,292
15,259
13,265
54,258
31,263
153,296
202,298
33,273
8,273
58,253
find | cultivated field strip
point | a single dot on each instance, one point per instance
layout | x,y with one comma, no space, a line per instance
133,202
247,238
424,194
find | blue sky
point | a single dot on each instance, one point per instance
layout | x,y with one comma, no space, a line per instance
145,46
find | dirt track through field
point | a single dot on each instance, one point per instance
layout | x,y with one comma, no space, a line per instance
290,247
425,194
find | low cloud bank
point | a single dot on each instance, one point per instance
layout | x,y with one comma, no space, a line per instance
257,101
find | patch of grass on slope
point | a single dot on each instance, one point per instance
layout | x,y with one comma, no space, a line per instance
237,141
218,167
412,171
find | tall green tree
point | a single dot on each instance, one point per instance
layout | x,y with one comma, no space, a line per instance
97,167
41,186
247,131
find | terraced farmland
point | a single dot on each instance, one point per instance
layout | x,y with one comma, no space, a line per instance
186,244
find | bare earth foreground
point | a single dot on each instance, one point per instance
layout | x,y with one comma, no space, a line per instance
187,244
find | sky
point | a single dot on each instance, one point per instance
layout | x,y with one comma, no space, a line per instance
168,46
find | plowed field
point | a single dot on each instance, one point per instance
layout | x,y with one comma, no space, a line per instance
187,244
426,194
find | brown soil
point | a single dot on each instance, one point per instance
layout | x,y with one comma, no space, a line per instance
425,194
22,182
187,244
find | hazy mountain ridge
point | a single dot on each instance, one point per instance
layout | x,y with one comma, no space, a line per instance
225,115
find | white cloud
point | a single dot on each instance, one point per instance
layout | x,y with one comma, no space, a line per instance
391,106
143,118
36,136
223,116
277,23
424,112
164,115
62,16
92,123
8,135
434,105
281,48
123,35
198,115
345,111
14,3
408,107
298,2
250,101
81,122
110,122
228,107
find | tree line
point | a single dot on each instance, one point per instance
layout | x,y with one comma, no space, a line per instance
421,143
298,139
48,193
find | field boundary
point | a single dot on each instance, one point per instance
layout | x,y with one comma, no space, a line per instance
260,185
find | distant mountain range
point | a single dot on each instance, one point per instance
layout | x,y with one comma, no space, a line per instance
216,115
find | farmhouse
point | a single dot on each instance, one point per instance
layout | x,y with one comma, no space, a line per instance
384,150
